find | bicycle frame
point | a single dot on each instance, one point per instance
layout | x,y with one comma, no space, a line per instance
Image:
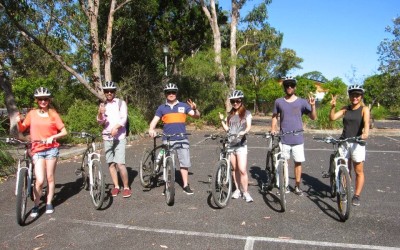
340,151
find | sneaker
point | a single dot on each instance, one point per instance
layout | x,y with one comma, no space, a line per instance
35,212
49,209
356,200
286,191
114,192
298,191
187,190
126,193
236,194
247,197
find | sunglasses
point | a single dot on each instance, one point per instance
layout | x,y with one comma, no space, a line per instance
236,101
170,92
109,91
290,85
43,99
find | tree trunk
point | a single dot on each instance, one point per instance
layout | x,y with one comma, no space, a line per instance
11,106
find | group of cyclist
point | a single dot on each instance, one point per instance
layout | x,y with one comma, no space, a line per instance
46,125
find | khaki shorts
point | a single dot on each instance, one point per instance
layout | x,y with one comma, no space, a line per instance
115,151
294,151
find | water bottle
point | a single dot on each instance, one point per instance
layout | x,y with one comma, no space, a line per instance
159,156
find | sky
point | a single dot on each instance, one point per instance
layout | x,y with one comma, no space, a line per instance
337,38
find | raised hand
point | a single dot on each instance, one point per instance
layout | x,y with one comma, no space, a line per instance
192,104
311,98
333,100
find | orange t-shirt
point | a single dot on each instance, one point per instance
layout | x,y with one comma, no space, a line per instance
42,128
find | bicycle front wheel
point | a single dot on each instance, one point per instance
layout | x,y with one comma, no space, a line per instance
344,193
85,168
222,184
269,166
332,175
169,181
282,172
22,192
146,168
97,187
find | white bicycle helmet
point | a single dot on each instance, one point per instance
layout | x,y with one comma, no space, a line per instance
355,88
289,80
109,85
171,87
42,92
236,94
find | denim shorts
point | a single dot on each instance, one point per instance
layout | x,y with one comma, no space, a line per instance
48,154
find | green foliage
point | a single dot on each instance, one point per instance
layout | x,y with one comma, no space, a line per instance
6,161
137,121
81,116
212,118
336,87
322,121
379,113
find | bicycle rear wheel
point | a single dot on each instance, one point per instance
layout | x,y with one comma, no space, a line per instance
332,175
344,193
97,189
146,168
22,192
222,185
282,183
169,181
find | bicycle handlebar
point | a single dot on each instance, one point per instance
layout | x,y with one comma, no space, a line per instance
330,139
11,140
84,134
269,134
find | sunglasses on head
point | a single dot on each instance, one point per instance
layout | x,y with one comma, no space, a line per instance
170,92
236,101
109,91
290,85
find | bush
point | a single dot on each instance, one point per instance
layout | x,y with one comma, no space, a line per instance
212,118
379,113
6,162
137,121
323,121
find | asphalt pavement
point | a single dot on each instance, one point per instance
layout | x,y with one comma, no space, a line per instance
144,221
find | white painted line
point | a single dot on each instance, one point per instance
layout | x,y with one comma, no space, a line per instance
391,138
249,239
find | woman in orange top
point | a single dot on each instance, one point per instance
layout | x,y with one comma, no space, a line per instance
45,126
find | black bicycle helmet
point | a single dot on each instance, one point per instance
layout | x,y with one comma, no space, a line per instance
289,80
42,92
236,94
171,87
109,85
356,88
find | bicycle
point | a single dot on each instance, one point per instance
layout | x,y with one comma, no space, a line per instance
222,180
150,170
276,166
91,170
340,181
25,178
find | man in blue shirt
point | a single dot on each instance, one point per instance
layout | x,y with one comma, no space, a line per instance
173,115
290,108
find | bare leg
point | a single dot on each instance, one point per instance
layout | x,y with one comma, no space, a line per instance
124,175
50,171
297,173
236,175
114,174
184,173
359,171
242,171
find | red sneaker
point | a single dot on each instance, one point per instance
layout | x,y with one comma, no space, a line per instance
114,192
126,193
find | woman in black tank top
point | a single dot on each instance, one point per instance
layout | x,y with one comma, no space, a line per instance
355,123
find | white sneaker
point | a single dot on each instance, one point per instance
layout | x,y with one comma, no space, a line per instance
247,197
236,194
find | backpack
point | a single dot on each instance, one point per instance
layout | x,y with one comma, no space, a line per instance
127,119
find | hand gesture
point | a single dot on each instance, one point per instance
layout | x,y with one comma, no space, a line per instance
333,100
192,104
221,116
152,133
311,98
102,108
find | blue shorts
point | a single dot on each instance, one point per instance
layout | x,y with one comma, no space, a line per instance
48,154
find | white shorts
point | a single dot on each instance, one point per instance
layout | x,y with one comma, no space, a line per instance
240,150
356,152
294,151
